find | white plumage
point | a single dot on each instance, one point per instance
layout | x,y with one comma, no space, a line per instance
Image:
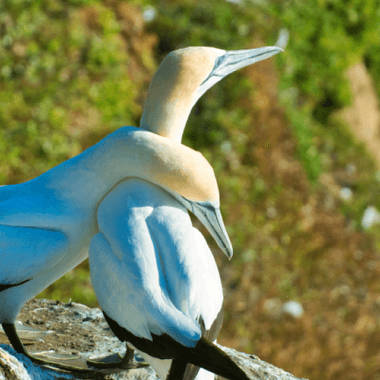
146,263
47,223
152,271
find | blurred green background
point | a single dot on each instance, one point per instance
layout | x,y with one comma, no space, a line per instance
294,181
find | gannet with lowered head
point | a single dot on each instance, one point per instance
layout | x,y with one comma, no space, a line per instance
158,284
181,79
46,223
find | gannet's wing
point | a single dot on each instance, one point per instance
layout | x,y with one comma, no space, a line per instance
27,252
189,268
127,278
191,274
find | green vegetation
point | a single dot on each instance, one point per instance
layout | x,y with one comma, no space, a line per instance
73,71
326,37
64,75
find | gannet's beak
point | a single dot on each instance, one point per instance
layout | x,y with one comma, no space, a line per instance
232,60
210,216
235,60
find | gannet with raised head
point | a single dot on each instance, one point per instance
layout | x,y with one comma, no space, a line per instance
183,76
157,283
46,223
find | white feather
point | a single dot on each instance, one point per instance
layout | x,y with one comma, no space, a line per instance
151,270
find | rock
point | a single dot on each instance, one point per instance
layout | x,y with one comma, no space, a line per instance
370,217
15,366
293,308
149,14
78,332
346,194
282,39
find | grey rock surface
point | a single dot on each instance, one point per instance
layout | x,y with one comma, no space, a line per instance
76,333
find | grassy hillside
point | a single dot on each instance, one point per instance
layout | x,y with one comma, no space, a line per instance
71,72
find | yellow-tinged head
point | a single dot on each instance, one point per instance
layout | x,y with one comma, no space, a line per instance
183,77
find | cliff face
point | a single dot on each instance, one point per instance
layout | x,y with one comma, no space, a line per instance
295,184
73,333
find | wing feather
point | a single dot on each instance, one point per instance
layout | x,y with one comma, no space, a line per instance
127,274
26,252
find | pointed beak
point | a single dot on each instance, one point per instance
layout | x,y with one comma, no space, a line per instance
231,61
211,217
235,60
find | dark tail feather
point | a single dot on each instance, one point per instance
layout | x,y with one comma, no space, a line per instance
210,357
177,369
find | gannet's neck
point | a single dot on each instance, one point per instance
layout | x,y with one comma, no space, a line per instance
169,124
174,90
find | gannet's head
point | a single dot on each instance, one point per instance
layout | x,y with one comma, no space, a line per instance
183,77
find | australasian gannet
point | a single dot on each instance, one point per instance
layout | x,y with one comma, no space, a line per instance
181,79
46,223
157,283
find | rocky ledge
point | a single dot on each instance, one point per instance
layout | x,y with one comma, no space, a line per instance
74,333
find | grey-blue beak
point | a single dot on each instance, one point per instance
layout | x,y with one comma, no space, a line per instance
235,60
211,217
232,60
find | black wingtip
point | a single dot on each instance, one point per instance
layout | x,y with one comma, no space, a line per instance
210,357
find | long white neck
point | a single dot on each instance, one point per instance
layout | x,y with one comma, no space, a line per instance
174,90
167,119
